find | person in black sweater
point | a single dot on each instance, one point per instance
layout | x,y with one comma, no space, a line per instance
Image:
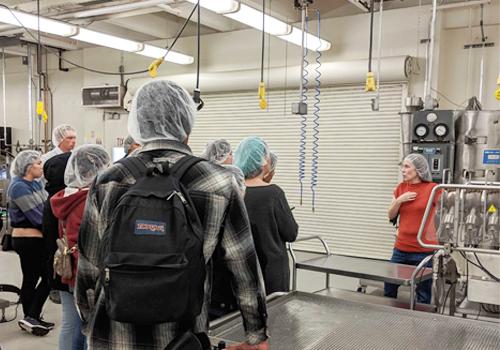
270,215
53,170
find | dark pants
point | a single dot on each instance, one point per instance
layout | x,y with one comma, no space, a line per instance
424,289
35,288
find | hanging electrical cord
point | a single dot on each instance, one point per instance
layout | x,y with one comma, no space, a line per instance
376,100
262,86
370,79
303,116
316,110
481,69
197,93
56,52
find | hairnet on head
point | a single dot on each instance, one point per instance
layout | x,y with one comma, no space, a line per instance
84,164
60,132
217,151
129,141
161,110
421,165
238,177
251,155
23,161
273,160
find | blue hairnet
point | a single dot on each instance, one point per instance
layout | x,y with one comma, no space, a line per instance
421,165
161,110
23,161
84,164
251,155
217,151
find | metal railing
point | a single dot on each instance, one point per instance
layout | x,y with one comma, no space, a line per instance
294,258
427,213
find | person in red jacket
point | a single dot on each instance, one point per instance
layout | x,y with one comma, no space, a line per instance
68,205
409,202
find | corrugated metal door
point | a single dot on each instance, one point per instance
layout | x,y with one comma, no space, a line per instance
358,159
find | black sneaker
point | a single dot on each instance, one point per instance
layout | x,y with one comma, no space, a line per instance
49,325
29,324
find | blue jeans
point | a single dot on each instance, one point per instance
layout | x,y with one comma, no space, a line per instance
424,289
71,336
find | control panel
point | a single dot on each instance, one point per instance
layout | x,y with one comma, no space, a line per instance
433,136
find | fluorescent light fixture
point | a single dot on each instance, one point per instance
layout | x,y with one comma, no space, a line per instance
121,8
31,22
310,41
107,40
218,6
253,18
172,56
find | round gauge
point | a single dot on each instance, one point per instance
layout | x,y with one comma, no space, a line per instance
421,130
441,130
432,117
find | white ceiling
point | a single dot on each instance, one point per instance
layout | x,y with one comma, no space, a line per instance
162,22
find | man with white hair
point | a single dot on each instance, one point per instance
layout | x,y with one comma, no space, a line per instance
161,120
64,140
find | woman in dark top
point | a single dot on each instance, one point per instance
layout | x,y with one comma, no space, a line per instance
270,216
26,198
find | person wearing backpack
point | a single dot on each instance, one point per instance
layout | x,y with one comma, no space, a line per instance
149,229
83,166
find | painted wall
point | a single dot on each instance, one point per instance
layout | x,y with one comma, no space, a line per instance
241,50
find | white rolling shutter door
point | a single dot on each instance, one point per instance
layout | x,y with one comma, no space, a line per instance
358,159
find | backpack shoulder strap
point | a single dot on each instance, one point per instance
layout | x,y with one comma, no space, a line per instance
183,165
135,165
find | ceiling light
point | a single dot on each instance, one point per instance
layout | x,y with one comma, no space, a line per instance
120,8
172,56
310,41
218,6
29,21
253,18
107,40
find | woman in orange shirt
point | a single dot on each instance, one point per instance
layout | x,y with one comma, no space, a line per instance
409,202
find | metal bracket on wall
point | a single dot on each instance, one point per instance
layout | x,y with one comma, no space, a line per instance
478,46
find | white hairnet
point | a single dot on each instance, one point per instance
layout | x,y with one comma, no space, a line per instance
217,151
238,177
161,110
60,132
273,160
23,161
84,164
421,165
129,141
251,155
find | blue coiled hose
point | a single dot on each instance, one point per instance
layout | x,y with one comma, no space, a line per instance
316,109
303,118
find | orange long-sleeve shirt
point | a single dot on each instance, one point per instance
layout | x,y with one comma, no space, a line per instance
411,215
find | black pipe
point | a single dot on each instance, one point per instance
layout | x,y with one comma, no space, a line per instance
372,10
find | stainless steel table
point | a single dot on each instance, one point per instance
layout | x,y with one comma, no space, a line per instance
364,268
303,321
371,269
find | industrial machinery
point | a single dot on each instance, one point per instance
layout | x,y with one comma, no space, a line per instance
433,135
463,150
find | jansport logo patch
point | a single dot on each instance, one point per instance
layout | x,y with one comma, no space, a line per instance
145,227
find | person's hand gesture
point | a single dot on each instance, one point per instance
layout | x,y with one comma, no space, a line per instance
407,197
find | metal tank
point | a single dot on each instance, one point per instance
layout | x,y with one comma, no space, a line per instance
477,147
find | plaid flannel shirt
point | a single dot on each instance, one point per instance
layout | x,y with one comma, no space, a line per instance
218,205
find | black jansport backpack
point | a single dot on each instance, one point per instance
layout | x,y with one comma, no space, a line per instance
153,269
